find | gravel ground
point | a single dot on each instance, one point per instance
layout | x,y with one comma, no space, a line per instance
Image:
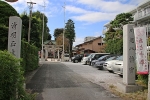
100,77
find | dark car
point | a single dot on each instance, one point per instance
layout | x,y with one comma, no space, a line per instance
95,56
99,63
77,58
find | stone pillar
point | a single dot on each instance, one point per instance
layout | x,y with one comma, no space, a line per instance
128,84
58,54
14,35
128,55
46,54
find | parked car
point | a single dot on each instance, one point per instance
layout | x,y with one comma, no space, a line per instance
102,58
118,68
100,62
109,64
95,56
66,57
85,58
77,58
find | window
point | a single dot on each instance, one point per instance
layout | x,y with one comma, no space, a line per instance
140,14
100,43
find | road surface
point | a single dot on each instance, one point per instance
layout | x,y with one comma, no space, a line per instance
56,81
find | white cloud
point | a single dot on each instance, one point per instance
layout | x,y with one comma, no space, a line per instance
107,6
22,5
96,34
74,9
104,10
78,40
95,17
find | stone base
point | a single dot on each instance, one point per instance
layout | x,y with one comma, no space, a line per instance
128,88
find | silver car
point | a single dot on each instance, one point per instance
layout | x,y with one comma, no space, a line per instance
118,67
99,63
85,59
109,64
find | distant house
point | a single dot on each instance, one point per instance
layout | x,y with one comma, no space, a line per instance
93,45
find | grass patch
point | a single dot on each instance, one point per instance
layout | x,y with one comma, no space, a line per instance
139,95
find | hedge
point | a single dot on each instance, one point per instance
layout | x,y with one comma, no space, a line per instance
29,55
12,80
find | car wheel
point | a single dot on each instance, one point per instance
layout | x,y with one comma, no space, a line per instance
110,71
86,63
120,75
100,68
76,61
89,64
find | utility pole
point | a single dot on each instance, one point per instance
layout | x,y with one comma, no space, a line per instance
30,7
148,94
63,34
43,34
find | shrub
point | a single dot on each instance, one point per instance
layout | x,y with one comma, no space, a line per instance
12,80
144,79
29,54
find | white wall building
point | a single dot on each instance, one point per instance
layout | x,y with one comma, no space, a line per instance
141,14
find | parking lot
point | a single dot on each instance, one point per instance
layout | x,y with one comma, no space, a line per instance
101,77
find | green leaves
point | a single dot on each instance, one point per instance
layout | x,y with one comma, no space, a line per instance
6,11
70,33
114,36
11,75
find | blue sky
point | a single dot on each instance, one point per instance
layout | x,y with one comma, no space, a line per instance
89,16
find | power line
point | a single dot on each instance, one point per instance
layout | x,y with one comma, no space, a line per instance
30,7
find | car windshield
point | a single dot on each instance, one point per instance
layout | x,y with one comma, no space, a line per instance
102,57
120,58
89,55
111,58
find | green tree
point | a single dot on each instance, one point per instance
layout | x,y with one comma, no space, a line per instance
36,28
6,11
39,16
25,26
59,41
114,36
70,33
57,32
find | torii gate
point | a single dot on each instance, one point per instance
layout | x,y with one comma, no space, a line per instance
53,48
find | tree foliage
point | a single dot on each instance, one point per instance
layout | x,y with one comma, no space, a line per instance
114,36
6,11
36,28
57,32
70,32
59,41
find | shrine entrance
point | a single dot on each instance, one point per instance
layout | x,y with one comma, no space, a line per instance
53,52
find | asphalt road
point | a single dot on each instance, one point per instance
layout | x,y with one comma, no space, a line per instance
56,81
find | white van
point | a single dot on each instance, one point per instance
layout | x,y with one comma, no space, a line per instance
66,57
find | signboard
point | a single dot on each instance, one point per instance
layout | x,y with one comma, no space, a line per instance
141,50
14,35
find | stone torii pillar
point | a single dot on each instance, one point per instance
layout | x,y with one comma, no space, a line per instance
58,54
